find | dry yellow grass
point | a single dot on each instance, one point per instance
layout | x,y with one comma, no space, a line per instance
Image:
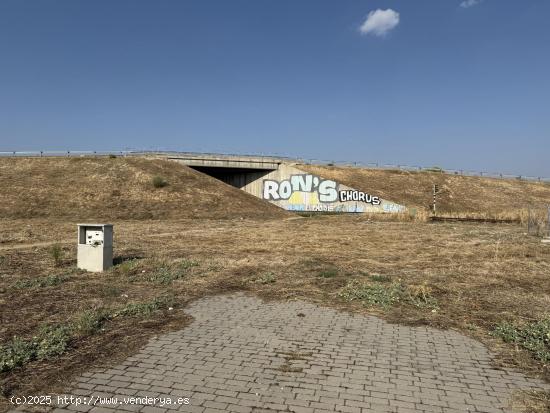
480,274
460,196
119,188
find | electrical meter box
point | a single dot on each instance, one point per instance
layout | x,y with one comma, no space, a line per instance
95,247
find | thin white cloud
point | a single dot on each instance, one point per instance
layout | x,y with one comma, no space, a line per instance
466,4
380,22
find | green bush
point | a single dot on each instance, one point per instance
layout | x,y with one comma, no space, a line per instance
533,337
159,182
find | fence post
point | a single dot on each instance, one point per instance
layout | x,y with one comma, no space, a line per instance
529,222
434,199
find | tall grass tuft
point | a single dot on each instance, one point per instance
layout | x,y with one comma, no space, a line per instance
56,252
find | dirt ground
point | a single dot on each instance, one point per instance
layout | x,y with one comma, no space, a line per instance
473,275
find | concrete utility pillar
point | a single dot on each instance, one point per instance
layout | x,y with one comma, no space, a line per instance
95,247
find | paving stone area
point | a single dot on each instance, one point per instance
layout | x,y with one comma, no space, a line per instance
244,355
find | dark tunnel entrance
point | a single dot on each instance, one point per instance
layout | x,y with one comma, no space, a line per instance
237,177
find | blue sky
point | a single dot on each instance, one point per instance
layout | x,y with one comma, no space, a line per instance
435,83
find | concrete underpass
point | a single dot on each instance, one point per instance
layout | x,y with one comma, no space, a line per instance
281,182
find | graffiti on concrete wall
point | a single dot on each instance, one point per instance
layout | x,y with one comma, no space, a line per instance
307,192
326,190
354,195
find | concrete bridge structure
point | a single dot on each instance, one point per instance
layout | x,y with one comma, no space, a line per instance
281,182
277,180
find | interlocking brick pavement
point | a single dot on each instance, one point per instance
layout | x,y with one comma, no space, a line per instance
244,355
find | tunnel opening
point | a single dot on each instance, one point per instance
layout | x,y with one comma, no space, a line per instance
237,177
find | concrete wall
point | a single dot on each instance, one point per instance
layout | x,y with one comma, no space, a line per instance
281,183
295,190
226,161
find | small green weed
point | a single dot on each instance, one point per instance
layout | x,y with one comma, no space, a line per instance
166,273
40,282
471,327
15,353
373,294
56,252
162,275
89,322
186,264
144,309
421,296
533,337
126,266
267,278
49,342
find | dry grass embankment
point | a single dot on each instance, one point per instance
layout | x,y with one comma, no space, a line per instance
460,196
119,188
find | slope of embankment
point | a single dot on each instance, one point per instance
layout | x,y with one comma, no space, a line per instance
458,194
119,188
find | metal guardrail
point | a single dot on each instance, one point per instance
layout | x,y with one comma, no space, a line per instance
371,165
415,168
40,154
